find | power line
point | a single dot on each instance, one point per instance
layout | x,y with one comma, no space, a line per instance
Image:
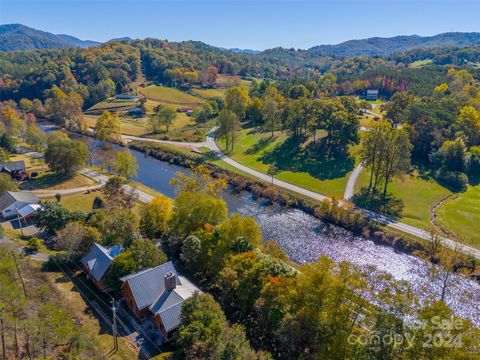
106,305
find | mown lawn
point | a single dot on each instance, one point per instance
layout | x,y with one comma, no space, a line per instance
78,202
259,151
460,214
113,105
170,96
53,181
227,81
209,93
418,193
419,63
128,126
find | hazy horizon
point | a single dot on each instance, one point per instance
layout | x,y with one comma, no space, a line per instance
244,24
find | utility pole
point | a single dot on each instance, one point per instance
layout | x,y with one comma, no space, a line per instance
114,326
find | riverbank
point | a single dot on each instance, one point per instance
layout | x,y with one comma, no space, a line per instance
327,211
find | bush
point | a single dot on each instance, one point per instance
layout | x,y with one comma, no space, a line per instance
456,180
33,244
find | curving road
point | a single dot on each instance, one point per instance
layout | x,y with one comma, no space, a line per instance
468,250
352,179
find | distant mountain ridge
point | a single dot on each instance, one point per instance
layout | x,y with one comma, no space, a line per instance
20,37
386,46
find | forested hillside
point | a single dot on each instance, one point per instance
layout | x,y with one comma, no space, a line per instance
15,37
384,46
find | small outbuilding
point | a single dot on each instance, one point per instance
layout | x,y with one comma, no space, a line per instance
19,204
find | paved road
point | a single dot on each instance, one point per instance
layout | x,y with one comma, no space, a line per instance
352,179
316,196
92,174
210,143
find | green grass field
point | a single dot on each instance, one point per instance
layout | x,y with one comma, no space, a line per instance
460,214
209,93
227,81
111,105
419,63
170,96
258,151
418,193
128,126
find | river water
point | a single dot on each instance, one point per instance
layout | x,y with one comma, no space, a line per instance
305,238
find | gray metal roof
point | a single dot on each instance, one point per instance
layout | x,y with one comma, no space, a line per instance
9,197
169,305
13,165
171,317
99,259
148,285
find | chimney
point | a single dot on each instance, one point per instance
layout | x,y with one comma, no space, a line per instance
170,281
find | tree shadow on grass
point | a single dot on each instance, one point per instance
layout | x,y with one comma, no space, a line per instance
375,201
291,156
47,180
260,145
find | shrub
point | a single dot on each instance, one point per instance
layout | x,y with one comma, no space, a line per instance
456,180
33,244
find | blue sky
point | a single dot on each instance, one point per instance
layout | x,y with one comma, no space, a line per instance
251,24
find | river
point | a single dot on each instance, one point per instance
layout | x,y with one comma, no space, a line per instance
304,238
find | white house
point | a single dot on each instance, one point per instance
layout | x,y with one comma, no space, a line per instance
18,204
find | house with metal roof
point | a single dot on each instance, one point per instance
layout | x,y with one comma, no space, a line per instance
16,169
20,204
371,95
97,261
158,292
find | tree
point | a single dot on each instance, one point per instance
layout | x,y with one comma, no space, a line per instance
7,184
203,113
12,122
117,225
452,155
327,84
25,105
236,100
229,125
35,137
373,145
342,128
270,114
8,143
53,217
202,325
396,155
254,111
65,156
141,254
386,151
469,121
163,116
398,108
156,216
126,164
107,127
198,201
65,109
76,239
